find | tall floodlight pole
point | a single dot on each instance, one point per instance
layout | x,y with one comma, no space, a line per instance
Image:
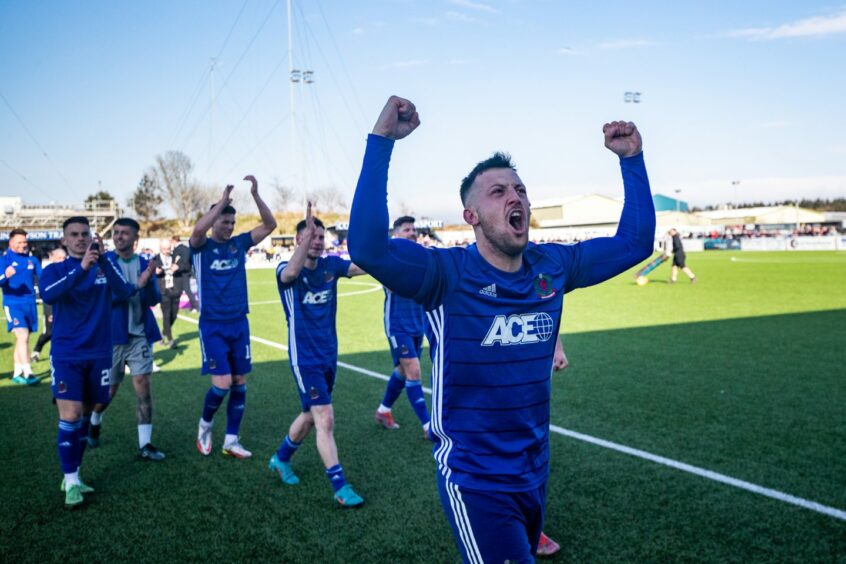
211,109
302,77
294,77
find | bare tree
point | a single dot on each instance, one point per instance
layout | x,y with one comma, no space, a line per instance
327,199
284,197
182,193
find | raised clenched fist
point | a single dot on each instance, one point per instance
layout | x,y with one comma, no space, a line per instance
398,119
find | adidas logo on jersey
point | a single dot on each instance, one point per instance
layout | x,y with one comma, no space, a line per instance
489,291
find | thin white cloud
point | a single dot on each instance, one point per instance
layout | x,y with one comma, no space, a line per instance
457,62
358,31
838,150
459,17
566,51
810,27
626,43
402,65
476,6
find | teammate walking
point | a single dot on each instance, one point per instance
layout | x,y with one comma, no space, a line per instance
404,326
308,287
219,262
80,289
134,330
494,309
18,270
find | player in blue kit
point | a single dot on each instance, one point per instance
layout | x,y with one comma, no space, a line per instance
308,287
494,311
219,264
80,289
18,271
404,327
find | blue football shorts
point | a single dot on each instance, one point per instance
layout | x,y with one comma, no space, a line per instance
492,526
405,346
81,380
225,347
314,384
21,316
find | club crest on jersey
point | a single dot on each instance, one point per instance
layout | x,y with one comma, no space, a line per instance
519,329
543,286
233,249
316,298
101,277
224,264
328,277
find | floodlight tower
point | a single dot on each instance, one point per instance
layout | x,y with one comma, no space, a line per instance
301,77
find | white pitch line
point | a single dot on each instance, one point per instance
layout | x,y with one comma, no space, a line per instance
701,472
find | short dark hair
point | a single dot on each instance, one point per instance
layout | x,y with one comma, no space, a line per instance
226,210
404,219
128,222
75,219
17,231
497,160
317,223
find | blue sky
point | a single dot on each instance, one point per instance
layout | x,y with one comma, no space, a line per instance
748,92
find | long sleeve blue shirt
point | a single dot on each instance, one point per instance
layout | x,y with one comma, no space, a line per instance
493,332
82,306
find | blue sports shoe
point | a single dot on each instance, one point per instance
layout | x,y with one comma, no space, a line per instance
286,473
347,497
19,379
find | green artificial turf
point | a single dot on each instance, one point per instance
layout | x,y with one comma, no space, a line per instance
743,374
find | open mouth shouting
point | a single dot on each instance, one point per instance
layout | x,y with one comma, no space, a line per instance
518,220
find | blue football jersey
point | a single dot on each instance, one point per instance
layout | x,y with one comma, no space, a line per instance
494,337
82,306
222,278
492,332
310,303
20,287
402,315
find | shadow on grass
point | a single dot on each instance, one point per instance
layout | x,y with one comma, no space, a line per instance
758,398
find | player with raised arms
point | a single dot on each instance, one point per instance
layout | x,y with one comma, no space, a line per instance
308,287
80,289
219,264
494,310
404,328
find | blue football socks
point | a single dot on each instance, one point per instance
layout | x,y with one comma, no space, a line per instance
414,391
336,477
287,449
235,408
393,389
214,398
67,443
